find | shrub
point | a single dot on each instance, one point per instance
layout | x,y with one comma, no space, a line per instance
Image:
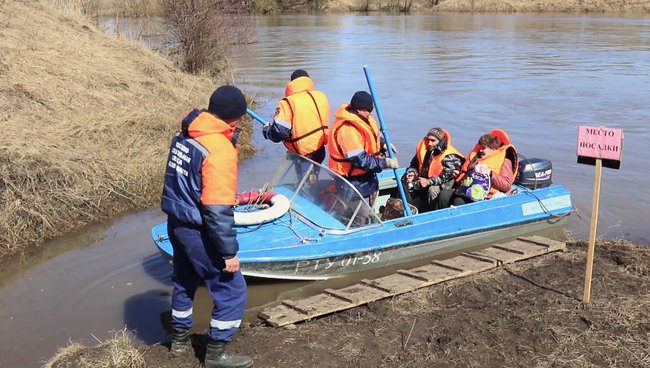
202,31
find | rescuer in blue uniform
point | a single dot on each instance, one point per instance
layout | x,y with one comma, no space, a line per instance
198,197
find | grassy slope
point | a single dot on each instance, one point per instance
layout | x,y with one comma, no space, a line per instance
87,121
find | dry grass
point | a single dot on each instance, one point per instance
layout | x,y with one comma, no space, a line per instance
266,6
401,6
339,6
118,352
87,122
65,353
589,6
112,8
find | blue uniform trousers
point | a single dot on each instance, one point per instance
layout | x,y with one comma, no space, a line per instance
196,258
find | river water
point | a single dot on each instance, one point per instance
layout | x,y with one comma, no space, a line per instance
537,77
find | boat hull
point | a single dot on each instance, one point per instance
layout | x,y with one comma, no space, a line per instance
328,267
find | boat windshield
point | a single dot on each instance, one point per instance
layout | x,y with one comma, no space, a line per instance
322,197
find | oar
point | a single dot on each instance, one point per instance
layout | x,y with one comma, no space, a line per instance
407,209
255,116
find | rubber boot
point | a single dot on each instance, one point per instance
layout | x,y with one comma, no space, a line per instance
181,341
216,357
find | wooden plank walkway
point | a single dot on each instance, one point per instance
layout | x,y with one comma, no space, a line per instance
292,311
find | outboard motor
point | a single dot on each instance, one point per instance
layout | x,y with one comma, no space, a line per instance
534,173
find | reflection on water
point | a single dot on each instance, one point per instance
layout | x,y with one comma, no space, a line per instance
150,31
537,77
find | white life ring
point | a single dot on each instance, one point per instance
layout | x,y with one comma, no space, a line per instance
279,206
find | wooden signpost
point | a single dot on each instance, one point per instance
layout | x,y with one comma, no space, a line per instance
597,146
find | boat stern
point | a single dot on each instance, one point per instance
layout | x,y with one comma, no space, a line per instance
161,239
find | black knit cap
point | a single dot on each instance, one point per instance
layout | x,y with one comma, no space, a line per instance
299,73
362,100
228,102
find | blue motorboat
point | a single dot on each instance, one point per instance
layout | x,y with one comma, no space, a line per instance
328,230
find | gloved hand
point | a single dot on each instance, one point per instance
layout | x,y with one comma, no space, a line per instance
265,130
392,147
392,163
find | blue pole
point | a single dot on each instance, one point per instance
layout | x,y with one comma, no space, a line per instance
255,116
407,209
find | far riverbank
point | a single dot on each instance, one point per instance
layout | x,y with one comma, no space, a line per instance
151,8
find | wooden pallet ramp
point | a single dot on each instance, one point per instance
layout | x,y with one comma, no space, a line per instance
292,311
519,249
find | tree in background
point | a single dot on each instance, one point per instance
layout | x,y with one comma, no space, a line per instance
203,31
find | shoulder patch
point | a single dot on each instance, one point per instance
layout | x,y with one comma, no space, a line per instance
277,111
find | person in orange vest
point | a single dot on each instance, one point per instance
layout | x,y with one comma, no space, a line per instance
488,172
356,149
198,197
301,120
432,169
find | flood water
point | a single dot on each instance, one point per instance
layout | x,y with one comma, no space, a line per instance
537,77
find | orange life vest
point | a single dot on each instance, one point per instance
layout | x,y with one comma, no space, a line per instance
220,167
494,160
331,199
435,165
370,133
309,116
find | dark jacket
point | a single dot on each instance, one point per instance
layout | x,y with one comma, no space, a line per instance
201,178
450,163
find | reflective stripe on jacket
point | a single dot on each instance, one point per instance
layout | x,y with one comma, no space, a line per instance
495,159
201,178
305,116
435,165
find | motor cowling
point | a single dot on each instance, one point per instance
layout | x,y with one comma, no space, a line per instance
534,173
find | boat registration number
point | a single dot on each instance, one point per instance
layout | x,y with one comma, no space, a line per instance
345,261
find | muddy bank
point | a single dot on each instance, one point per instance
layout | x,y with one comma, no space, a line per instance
526,314
87,119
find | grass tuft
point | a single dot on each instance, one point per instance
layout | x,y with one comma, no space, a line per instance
117,352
